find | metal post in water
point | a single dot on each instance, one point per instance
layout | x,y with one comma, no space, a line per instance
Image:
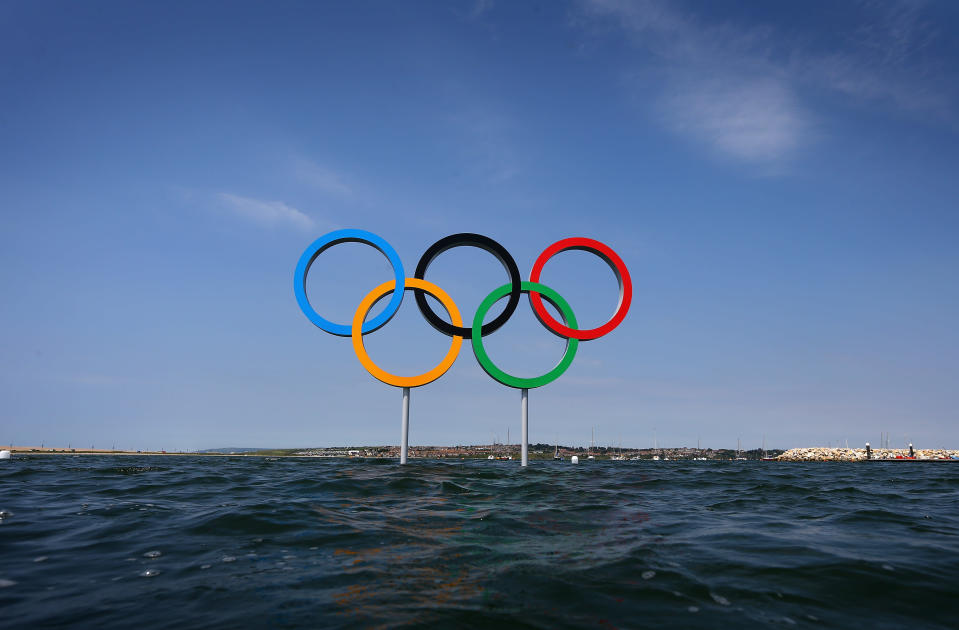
405,438
868,451
525,405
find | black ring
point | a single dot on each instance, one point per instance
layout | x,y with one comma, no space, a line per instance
484,243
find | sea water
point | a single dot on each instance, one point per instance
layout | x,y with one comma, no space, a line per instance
230,542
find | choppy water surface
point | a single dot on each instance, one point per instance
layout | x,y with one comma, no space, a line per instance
163,542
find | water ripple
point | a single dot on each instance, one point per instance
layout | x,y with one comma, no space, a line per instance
228,542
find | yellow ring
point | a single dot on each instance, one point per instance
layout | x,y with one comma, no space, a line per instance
405,381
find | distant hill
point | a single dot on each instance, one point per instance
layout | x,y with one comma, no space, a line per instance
235,449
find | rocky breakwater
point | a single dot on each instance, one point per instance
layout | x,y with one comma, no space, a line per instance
822,454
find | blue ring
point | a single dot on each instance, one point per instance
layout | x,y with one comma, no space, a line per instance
335,238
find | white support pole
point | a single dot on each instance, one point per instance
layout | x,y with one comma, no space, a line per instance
405,439
525,406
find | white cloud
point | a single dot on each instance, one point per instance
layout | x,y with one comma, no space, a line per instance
95,380
479,8
486,142
754,120
323,178
266,212
890,58
737,88
715,90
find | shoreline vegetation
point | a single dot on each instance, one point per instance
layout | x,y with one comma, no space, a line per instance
536,452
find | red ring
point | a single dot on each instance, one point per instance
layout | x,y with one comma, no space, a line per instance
615,263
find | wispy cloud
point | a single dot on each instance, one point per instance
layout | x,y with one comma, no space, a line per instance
94,380
479,8
738,88
756,120
486,143
715,91
889,57
323,178
270,213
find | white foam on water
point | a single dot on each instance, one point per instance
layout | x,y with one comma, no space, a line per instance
648,575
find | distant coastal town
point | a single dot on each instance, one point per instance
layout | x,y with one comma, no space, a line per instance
473,451
537,452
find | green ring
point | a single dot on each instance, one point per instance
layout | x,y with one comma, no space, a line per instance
550,296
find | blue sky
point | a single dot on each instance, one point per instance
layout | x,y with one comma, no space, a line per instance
780,179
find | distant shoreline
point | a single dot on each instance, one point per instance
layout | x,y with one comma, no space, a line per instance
501,452
537,451
16,451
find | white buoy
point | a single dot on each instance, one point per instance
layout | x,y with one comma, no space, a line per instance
525,413
405,434
4,454
574,459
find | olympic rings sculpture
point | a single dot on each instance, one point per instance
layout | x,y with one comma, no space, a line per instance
568,329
